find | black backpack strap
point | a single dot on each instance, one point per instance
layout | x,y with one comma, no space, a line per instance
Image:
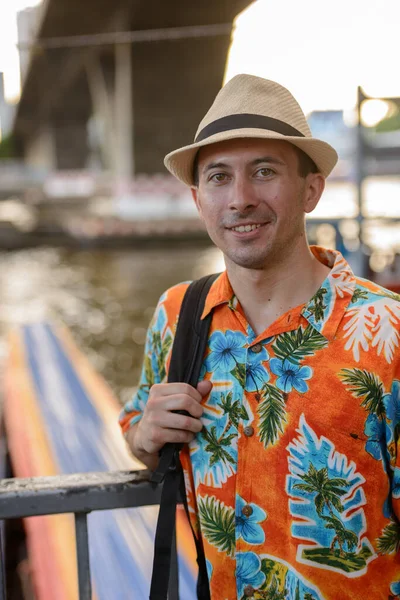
186,360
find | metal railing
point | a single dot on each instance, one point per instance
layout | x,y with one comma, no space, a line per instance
80,494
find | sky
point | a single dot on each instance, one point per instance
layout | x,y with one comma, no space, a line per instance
9,63
320,49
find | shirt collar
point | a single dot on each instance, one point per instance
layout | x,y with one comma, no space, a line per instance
220,292
326,308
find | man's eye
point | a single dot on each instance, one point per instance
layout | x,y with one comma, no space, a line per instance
265,172
218,177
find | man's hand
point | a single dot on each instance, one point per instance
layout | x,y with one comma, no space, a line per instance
160,424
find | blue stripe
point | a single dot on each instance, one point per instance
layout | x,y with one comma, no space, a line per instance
77,448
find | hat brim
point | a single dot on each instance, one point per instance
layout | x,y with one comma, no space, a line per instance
180,162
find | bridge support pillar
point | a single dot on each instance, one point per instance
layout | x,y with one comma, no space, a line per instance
40,150
124,158
101,128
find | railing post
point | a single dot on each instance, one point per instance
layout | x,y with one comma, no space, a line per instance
82,554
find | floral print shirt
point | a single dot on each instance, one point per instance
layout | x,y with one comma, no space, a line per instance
294,481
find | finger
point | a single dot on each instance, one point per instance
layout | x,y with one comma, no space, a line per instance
173,420
154,441
177,436
169,389
183,402
204,387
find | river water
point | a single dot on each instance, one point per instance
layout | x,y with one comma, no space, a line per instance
105,297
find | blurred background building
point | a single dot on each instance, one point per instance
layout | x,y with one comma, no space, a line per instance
105,89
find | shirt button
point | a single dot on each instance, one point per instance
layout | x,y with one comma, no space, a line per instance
256,348
248,431
248,591
247,511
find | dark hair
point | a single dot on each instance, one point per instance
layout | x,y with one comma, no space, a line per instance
196,169
306,165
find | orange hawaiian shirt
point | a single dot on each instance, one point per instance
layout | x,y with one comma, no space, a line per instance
294,481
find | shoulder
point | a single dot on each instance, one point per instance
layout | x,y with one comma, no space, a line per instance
368,292
168,306
376,305
172,297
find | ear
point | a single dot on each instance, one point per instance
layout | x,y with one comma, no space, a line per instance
195,195
315,185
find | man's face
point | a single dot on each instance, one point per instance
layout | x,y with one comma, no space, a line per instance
252,199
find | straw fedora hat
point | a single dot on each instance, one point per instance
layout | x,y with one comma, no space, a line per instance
252,107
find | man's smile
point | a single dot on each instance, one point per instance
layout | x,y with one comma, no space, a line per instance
248,227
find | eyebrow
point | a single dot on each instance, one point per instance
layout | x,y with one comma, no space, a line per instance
273,160
215,165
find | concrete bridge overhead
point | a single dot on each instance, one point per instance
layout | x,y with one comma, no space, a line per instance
113,100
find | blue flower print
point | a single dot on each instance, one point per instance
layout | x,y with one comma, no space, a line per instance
248,528
396,483
256,374
395,588
290,375
248,571
209,568
391,402
226,350
375,430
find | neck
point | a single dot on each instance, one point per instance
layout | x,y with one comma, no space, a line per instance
266,294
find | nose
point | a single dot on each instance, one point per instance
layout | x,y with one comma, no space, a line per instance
243,195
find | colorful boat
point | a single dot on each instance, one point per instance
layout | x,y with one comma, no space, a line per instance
61,417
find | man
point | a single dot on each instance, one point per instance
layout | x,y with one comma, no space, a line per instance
292,467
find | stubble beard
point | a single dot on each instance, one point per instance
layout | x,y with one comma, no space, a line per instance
276,250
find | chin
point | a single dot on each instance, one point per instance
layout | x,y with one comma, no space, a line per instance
250,262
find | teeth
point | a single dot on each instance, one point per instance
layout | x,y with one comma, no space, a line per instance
243,228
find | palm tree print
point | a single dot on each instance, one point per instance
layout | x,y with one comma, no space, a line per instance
218,524
296,345
389,541
367,386
317,306
290,349
159,348
216,445
272,414
357,294
342,535
328,491
234,410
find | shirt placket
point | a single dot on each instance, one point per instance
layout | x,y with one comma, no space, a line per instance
244,483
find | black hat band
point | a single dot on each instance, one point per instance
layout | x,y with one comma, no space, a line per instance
247,121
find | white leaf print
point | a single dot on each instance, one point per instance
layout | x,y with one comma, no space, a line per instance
386,331
374,325
342,286
342,279
359,329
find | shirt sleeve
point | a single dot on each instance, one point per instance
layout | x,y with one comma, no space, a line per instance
154,370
